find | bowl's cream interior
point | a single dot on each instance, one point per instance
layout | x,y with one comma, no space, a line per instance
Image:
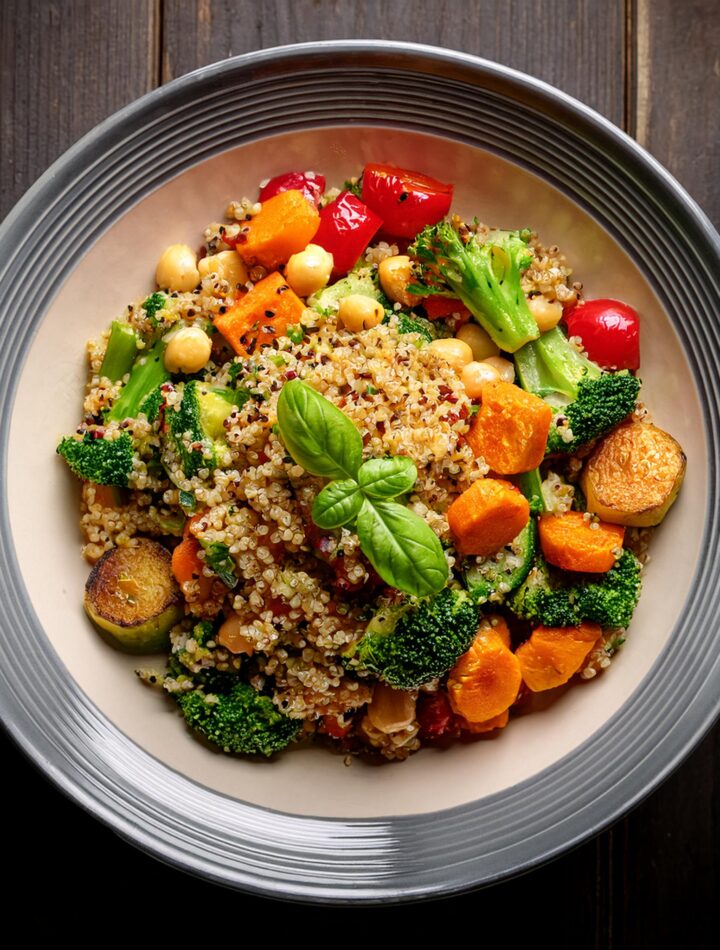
43,496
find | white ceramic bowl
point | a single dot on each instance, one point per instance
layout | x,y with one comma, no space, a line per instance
306,826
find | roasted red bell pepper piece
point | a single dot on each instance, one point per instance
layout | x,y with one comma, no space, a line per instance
405,200
346,228
437,308
310,184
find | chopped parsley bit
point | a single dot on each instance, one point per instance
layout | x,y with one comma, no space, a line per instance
371,390
295,333
187,502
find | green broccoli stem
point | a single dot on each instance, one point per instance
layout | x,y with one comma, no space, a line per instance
488,283
147,374
550,365
120,353
486,277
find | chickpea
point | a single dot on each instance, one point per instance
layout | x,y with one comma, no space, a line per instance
177,268
453,351
188,350
504,367
231,637
358,312
228,265
391,709
475,377
478,340
395,274
547,315
309,270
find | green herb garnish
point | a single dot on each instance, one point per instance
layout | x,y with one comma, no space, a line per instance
400,545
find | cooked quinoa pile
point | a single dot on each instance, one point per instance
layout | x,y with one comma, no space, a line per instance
280,629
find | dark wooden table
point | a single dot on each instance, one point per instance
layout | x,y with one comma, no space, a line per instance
652,67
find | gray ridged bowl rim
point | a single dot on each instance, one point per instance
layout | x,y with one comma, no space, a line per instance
377,859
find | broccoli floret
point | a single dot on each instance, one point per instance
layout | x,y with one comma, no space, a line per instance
486,277
411,644
152,404
195,425
241,721
120,353
147,374
589,402
361,281
412,324
103,461
503,572
151,306
608,599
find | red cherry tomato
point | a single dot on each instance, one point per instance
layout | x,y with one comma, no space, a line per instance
609,330
346,228
405,200
310,184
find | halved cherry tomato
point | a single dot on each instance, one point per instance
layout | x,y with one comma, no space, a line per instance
310,184
405,200
609,330
346,228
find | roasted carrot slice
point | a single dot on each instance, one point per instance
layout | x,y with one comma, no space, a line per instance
262,315
485,681
187,566
511,429
574,543
553,654
285,226
487,515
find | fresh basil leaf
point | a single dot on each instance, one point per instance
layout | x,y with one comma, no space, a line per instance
316,433
402,548
387,478
338,503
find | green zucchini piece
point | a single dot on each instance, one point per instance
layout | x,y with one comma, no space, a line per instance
133,598
506,569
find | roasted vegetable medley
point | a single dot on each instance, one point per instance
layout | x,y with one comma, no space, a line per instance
366,472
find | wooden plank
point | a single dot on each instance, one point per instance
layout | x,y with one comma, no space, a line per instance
676,108
578,45
666,860
65,66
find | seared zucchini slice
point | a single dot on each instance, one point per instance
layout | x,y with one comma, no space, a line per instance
132,597
634,475
502,572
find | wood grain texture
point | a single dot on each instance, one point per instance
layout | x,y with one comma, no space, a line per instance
676,82
577,45
64,66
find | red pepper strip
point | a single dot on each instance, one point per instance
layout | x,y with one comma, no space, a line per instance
405,200
310,184
346,228
437,308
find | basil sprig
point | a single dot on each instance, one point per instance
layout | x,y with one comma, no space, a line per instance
401,546
317,434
